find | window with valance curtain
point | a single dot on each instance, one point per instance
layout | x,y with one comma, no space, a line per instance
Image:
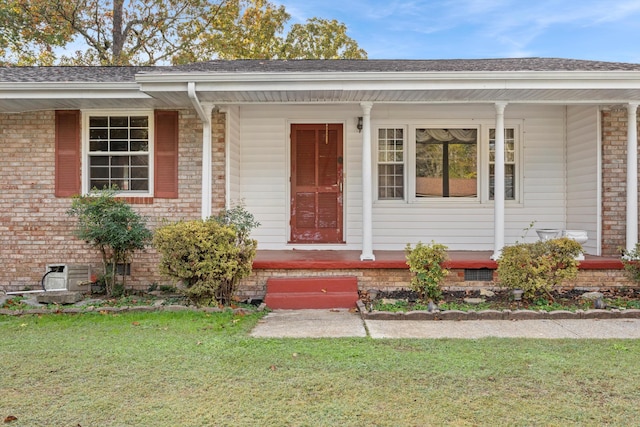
446,162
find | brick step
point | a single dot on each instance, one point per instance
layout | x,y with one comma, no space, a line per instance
311,292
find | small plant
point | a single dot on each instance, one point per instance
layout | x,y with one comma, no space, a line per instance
631,262
208,256
15,303
538,267
111,226
168,289
425,261
396,306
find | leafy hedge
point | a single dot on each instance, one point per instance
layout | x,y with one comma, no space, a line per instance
538,267
208,256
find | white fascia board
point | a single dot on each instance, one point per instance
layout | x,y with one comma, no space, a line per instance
389,81
71,90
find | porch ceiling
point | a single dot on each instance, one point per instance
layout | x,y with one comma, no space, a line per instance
552,96
180,99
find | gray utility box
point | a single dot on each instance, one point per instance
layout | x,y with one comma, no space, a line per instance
67,277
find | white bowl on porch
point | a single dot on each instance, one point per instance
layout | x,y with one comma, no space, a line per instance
579,236
547,233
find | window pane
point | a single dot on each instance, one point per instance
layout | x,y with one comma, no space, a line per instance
99,172
139,160
96,121
139,172
509,182
139,185
120,122
98,145
139,134
119,145
100,184
140,122
139,146
98,134
118,134
99,160
446,163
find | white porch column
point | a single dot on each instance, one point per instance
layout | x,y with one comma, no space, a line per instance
498,185
204,112
367,185
206,163
632,176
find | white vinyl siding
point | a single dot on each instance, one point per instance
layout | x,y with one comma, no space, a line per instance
582,173
469,225
265,168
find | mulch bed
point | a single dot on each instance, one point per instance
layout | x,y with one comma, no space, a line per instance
568,298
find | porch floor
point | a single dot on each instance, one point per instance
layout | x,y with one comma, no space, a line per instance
332,259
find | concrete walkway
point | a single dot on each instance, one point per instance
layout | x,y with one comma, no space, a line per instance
342,323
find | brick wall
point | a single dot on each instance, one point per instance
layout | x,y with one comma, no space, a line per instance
394,279
614,178
34,227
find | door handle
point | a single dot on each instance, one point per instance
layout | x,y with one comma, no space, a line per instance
340,186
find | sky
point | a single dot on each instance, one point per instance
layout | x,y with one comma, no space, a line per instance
603,30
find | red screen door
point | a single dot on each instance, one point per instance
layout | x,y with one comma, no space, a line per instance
316,183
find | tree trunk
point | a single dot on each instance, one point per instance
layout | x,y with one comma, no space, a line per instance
118,36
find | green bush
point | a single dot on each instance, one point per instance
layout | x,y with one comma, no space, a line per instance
538,267
110,225
631,263
208,256
425,261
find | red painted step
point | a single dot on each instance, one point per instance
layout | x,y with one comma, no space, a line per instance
311,292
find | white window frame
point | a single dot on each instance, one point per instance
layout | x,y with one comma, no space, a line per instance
377,163
483,127
86,115
517,126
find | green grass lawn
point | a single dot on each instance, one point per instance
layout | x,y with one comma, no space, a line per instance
196,369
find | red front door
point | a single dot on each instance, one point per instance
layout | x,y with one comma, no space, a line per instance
316,183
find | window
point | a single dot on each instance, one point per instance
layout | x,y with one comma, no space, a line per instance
119,152
446,162
391,149
509,163
96,149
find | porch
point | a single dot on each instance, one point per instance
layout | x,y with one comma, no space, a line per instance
389,271
333,259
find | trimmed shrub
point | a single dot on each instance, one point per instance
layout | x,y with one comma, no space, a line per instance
425,261
538,267
208,256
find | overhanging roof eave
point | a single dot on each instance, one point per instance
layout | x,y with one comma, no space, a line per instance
309,77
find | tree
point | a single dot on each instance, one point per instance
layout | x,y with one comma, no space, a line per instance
320,38
24,43
111,226
153,32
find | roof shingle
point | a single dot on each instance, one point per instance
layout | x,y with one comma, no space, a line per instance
127,74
